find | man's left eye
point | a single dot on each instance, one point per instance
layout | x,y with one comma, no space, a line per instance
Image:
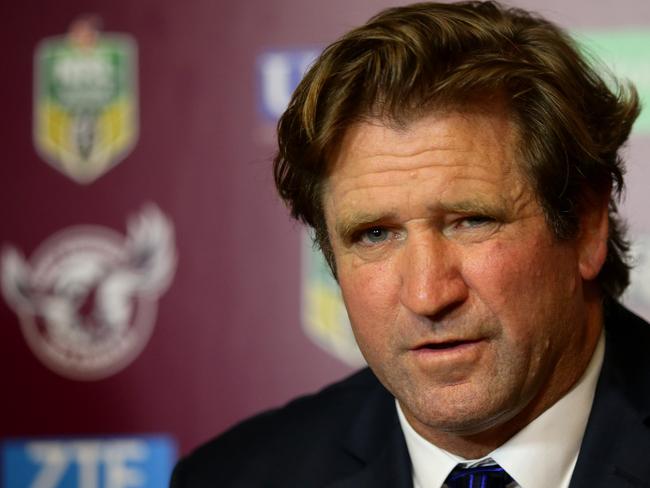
474,221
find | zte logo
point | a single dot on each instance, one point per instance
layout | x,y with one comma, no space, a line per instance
111,463
279,74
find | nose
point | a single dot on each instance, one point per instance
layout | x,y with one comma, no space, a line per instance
432,281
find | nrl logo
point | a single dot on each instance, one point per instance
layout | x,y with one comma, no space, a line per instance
324,317
87,298
85,100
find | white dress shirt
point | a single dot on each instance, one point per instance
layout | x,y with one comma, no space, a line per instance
541,455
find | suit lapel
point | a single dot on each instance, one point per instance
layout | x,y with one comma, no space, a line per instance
389,469
376,440
616,447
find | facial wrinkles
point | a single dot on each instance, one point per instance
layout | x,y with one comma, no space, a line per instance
401,173
411,196
426,176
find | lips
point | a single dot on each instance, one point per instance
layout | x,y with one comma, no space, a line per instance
446,345
443,345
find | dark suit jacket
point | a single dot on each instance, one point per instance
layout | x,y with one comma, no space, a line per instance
348,435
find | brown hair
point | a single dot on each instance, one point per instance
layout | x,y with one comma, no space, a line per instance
408,60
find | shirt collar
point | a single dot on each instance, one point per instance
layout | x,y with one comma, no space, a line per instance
542,454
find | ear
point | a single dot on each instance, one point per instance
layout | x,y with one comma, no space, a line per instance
593,236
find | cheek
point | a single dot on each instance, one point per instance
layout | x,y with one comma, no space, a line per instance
367,287
522,283
370,293
496,273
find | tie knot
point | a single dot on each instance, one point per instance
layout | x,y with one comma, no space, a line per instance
491,476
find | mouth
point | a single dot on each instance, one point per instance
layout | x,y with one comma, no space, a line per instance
446,345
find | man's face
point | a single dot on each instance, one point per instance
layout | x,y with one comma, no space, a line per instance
462,301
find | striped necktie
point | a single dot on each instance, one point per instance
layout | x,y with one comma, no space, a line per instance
491,476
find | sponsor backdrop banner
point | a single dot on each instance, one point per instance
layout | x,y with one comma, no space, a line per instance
153,290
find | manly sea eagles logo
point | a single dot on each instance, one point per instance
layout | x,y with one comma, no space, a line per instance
87,298
85,100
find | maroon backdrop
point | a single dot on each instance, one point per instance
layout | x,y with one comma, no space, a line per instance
228,340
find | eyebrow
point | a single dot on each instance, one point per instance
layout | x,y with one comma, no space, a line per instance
493,209
349,225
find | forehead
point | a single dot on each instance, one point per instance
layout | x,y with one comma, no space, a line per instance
480,140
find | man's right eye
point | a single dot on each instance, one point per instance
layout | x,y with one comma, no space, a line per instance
374,235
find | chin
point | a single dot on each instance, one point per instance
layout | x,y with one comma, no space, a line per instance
461,416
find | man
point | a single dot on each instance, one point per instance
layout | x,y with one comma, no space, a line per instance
459,165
